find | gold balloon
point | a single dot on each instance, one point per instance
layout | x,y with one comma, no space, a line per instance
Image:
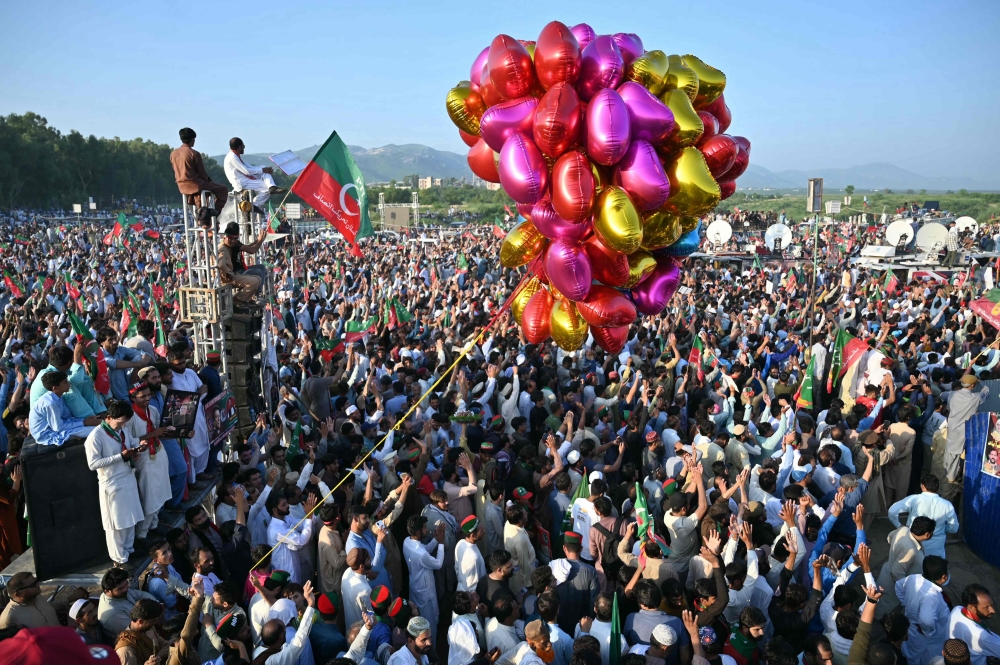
465,107
617,223
649,70
688,126
688,224
693,190
521,244
660,229
530,48
640,264
532,286
569,330
712,81
602,177
679,76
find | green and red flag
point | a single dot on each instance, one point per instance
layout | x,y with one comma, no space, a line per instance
136,225
793,279
328,347
332,184
891,283
847,350
93,352
358,329
462,263
71,285
643,521
48,283
696,355
14,285
272,218
804,395
294,446
160,346
151,234
127,323
21,240
403,315
988,307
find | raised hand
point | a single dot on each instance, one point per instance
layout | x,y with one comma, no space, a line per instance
859,517
863,557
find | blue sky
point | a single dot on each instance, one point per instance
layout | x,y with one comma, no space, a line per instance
811,84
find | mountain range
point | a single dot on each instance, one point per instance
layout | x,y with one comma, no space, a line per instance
397,161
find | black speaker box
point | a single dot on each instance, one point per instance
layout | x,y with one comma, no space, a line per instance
242,327
244,374
243,351
64,511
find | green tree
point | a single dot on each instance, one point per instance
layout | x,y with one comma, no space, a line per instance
849,189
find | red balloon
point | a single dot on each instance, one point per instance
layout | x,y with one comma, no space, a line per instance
742,159
489,93
720,110
511,70
573,187
524,209
611,340
605,307
537,268
728,188
470,139
482,163
557,120
535,320
557,55
609,267
720,153
711,126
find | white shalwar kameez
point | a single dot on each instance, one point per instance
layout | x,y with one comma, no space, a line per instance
121,509
197,445
152,471
286,541
247,176
422,565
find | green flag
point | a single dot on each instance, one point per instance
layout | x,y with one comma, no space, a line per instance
582,492
642,519
615,648
355,330
293,447
403,315
804,395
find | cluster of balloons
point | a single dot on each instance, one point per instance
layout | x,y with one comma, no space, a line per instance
612,153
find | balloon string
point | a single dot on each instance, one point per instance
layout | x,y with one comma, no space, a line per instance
465,351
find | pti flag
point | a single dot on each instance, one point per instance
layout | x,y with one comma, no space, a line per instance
847,350
642,518
332,184
804,395
988,307
696,356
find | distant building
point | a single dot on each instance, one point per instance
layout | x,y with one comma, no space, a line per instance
493,186
425,183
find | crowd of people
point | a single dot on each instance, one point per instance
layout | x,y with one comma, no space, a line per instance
432,488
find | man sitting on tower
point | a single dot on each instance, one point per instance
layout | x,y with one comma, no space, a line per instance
244,176
233,269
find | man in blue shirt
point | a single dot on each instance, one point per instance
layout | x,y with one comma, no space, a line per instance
119,359
81,398
50,421
360,536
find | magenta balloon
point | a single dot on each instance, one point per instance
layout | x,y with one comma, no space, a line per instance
524,175
601,66
608,127
477,66
553,227
650,118
629,44
568,268
584,34
501,121
653,293
641,175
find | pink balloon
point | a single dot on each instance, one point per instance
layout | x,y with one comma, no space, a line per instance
608,127
524,175
650,118
477,66
501,121
641,175
601,66
653,293
629,44
568,268
524,209
553,227
584,34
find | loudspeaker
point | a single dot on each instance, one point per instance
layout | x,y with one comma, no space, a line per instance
244,374
64,511
242,327
242,352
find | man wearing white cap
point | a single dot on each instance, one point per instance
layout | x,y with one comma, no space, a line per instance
418,644
661,644
84,614
962,405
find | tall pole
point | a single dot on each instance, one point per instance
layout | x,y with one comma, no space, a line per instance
812,290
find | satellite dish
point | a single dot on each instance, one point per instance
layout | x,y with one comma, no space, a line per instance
719,232
932,237
899,233
966,224
777,235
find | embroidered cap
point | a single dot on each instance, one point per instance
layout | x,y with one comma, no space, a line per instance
522,495
380,597
470,524
418,625
230,625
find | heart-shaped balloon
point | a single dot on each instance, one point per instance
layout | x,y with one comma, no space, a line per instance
605,307
609,266
654,293
557,55
511,70
617,222
727,189
482,161
641,174
552,226
721,111
742,159
584,35
573,187
489,94
688,126
601,66
557,122
629,45
649,119
689,224
568,268
693,190
524,175
649,70
536,317
467,138
720,154
660,229
501,121
529,46
640,264
608,127
611,340
521,244
567,327
680,77
711,125
465,107
524,209
476,71
532,285
711,82
686,245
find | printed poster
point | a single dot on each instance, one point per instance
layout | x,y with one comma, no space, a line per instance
991,451
220,416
